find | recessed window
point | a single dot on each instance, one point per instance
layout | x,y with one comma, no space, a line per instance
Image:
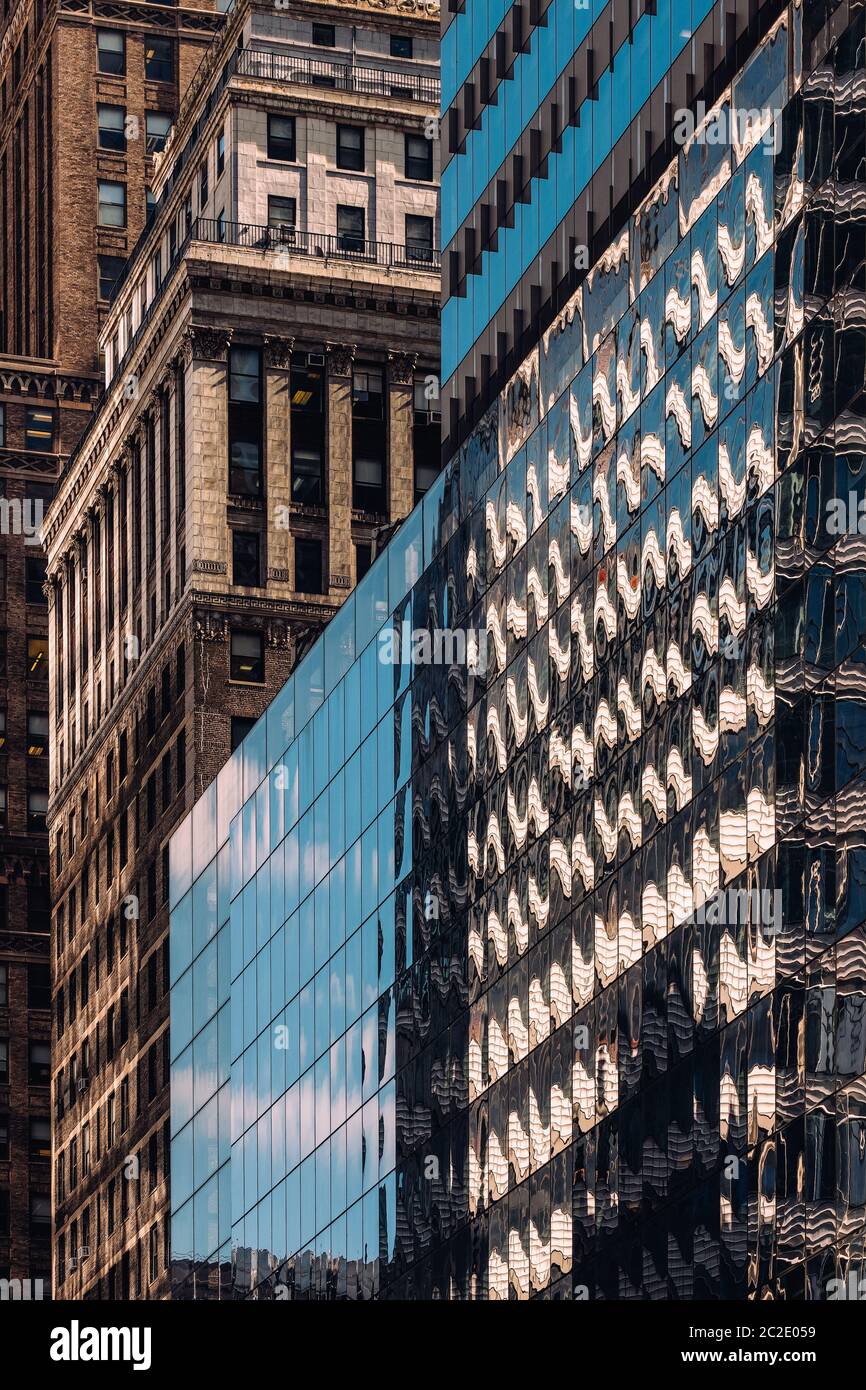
324,35
282,213
401,46
40,1138
39,430
4,1059
111,51
240,729
112,204
281,137
3,435
37,810
37,735
245,559
111,125
158,64
419,158
40,1063
202,186
3,795
419,238
245,422
247,657
35,574
4,985
158,124
2,729
110,270
350,228
4,1130
221,152
308,565
350,147
37,658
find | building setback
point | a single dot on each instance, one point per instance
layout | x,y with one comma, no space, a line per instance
86,95
270,413
537,970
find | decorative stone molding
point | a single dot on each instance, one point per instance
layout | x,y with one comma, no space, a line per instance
340,358
206,344
209,567
278,634
210,627
278,352
280,576
401,368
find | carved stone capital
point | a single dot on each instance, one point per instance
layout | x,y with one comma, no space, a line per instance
210,627
207,344
278,634
278,352
401,368
340,358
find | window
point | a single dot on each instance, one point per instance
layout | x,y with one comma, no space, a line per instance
401,46
110,268
220,153
307,433
368,440
111,52
110,122
245,559
38,987
350,147
245,423
37,810
35,575
4,985
281,137
158,124
282,216
221,225
40,1063
202,186
419,158
4,1140
308,565
247,658
37,658
419,238
39,911
39,430
350,228
37,735
158,63
40,1216
324,36
4,1059
2,425
40,1138
2,653
112,204
2,729
240,729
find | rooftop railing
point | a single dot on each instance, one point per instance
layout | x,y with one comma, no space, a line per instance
291,241
341,77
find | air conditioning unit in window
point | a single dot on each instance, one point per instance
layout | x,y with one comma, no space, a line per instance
72,1264
315,359
82,1084
83,1253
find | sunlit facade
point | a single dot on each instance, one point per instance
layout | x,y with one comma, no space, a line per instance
539,971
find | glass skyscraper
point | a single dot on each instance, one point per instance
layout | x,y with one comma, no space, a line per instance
520,949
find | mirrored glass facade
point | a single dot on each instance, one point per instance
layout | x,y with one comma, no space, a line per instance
520,950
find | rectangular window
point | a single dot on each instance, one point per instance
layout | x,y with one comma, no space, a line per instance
401,46
111,124
35,575
419,238
40,1138
368,440
240,729
158,60
4,985
158,125
308,565
111,51
247,658
281,137
4,1147
37,658
350,228
39,430
112,204
2,729
110,268
282,214
324,36
220,153
40,1063
203,192
245,423
38,987
350,147
37,735
37,810
419,158
307,434
245,559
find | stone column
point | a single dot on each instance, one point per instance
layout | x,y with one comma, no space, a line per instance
207,481
338,445
401,465
280,557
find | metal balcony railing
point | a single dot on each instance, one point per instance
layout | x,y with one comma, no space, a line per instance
292,241
342,77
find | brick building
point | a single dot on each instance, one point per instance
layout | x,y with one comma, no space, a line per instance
87,92
269,416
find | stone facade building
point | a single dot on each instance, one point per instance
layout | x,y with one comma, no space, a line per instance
87,93
271,363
